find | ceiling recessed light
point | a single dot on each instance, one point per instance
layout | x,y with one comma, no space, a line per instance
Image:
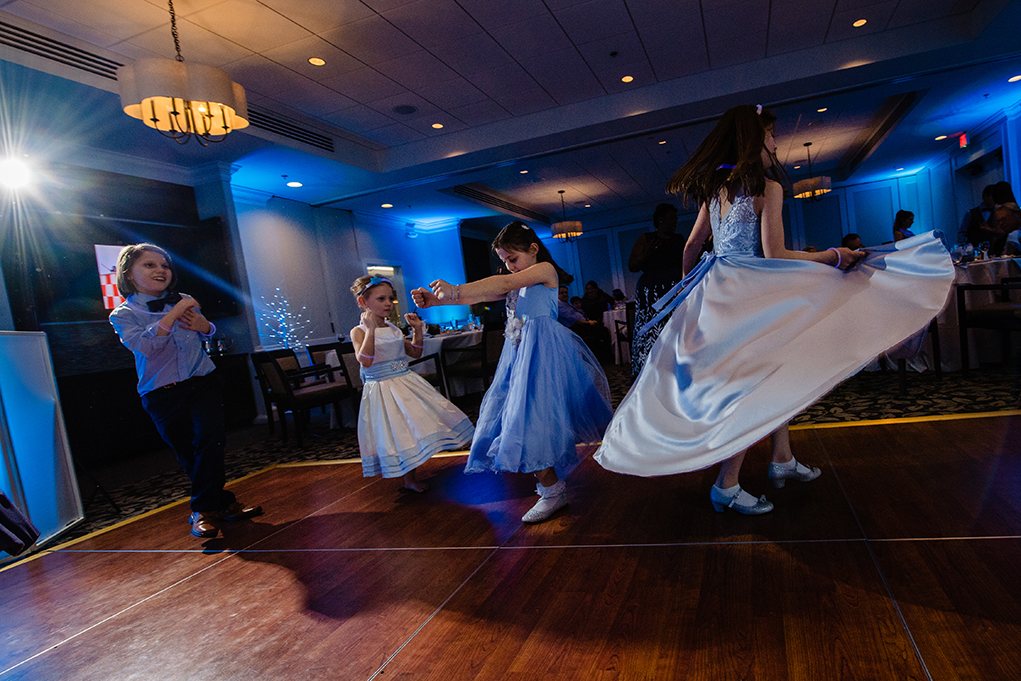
588,205
523,172
437,125
387,205
627,79
899,169
860,23
941,137
294,184
1014,79
663,142
796,167
822,109
316,61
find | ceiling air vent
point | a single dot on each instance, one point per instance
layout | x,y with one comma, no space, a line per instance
484,196
273,122
54,50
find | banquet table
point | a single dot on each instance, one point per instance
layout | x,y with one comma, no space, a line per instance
610,317
431,345
984,345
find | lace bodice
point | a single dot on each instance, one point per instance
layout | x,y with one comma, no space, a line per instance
740,230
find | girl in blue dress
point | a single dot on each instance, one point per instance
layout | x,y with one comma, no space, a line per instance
759,332
549,392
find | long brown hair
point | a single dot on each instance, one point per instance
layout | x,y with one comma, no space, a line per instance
729,158
517,236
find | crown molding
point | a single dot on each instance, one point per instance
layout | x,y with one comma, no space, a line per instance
123,164
252,197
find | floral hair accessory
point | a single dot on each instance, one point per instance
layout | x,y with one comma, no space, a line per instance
758,109
728,166
376,281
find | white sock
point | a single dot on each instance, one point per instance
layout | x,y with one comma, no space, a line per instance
743,498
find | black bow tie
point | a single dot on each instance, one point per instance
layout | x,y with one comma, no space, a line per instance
168,299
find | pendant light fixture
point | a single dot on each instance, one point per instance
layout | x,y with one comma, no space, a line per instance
182,101
565,230
811,188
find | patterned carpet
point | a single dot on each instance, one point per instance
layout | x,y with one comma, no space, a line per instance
867,396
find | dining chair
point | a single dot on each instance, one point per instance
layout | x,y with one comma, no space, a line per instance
317,357
280,390
474,361
1004,314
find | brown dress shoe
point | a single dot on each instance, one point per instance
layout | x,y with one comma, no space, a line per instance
238,511
201,525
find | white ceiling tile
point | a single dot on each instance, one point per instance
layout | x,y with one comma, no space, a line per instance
480,113
381,6
842,28
416,69
640,71
296,55
910,12
112,17
471,54
525,102
565,76
850,5
387,104
364,85
668,23
394,135
425,124
532,37
594,19
793,25
503,79
197,44
492,14
433,22
249,24
183,8
358,119
452,93
742,18
312,98
750,47
133,51
627,46
372,40
675,60
61,23
261,75
318,16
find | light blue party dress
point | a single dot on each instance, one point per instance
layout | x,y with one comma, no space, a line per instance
549,393
752,341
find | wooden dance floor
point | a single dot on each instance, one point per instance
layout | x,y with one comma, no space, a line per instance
900,562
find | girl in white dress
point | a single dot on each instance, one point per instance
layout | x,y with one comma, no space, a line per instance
759,332
402,420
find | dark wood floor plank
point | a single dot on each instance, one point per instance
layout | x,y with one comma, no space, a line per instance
55,596
962,601
610,508
799,611
299,615
932,479
286,495
457,510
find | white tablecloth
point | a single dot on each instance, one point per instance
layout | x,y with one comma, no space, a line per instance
609,319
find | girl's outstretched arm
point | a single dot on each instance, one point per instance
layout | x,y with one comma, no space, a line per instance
772,234
699,233
491,288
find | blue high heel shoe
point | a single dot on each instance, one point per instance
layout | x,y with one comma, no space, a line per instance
722,502
779,474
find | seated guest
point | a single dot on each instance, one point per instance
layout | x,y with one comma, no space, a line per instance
595,335
576,304
852,241
618,296
977,220
902,225
595,302
1008,223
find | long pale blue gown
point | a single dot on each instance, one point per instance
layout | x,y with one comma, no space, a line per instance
752,341
549,393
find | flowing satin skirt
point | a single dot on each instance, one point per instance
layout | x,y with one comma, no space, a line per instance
753,341
403,421
549,393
